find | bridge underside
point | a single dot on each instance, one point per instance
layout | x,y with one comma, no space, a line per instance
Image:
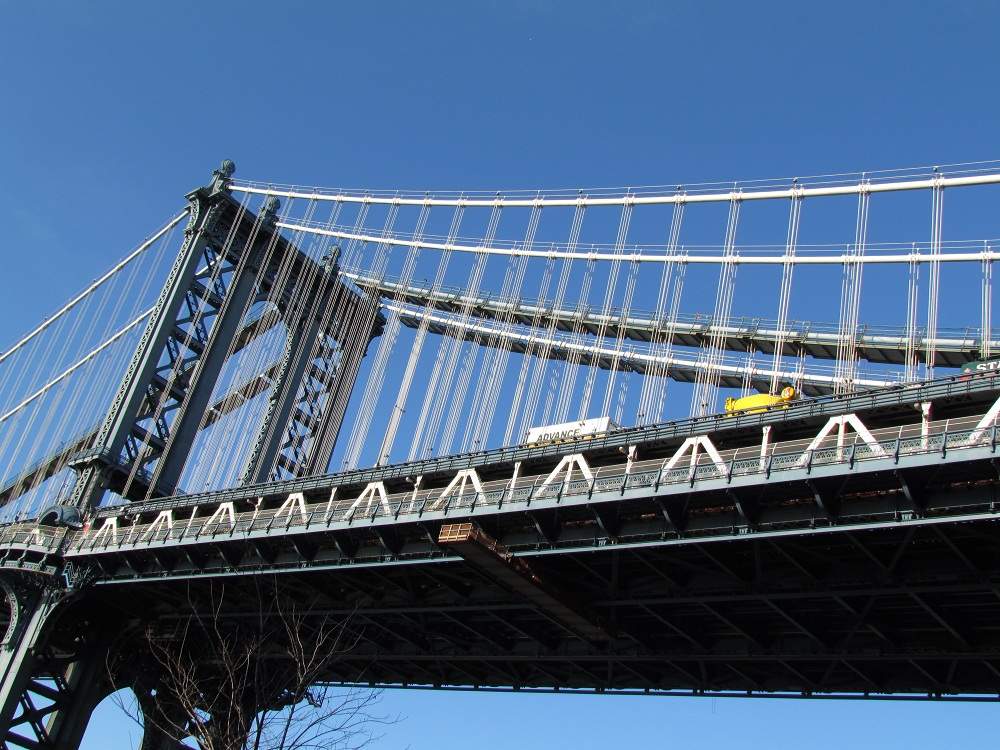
863,581
902,609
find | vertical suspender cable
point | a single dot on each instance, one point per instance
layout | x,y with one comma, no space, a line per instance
675,303
657,371
415,353
748,370
542,359
376,377
362,419
633,275
910,360
705,392
986,312
533,352
317,393
529,349
491,374
787,270
454,345
494,374
934,277
541,364
850,297
588,386
449,348
416,348
572,366
609,295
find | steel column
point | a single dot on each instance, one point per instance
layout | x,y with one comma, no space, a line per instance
302,334
205,210
210,364
46,698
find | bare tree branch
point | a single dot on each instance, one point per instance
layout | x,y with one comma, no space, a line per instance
229,681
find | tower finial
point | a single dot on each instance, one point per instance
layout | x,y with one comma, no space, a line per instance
222,175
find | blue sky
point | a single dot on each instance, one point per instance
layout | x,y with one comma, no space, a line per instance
111,111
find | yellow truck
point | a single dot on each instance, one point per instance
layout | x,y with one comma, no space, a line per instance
761,402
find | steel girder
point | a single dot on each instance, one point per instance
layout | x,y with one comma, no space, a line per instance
874,343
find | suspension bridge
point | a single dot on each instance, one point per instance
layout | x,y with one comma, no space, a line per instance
333,389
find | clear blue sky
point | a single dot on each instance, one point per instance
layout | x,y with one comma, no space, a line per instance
112,110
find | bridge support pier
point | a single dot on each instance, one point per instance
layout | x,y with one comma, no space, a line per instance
62,662
50,682
165,723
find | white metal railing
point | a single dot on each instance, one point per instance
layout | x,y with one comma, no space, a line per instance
31,535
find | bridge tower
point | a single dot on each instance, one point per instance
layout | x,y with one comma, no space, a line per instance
53,656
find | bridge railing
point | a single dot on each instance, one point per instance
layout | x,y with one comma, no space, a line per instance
961,386
838,448
31,535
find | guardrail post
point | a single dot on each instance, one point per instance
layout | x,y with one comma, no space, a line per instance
531,493
659,476
765,443
925,422
255,514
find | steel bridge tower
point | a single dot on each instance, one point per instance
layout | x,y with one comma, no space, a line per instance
229,258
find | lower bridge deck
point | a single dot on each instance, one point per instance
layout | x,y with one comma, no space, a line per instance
899,608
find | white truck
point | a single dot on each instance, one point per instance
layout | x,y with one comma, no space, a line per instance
559,433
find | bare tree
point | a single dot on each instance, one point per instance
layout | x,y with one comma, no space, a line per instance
244,668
